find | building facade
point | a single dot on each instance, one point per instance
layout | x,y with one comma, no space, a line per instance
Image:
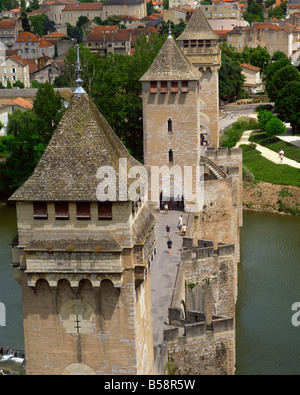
200,45
84,246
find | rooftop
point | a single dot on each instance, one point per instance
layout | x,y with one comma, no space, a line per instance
198,28
170,65
82,143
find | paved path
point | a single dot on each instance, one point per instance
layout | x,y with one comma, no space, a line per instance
266,152
164,270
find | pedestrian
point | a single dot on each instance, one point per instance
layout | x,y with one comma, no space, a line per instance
168,230
166,208
281,153
169,244
170,204
180,223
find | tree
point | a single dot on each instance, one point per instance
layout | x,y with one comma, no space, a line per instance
36,22
48,26
231,79
28,134
49,108
287,104
282,77
274,127
272,69
81,21
263,117
25,22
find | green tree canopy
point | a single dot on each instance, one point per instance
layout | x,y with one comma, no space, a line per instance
274,127
49,108
280,79
231,79
287,104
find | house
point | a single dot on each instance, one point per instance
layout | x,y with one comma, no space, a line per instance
253,81
12,105
174,15
275,36
32,46
71,12
48,73
106,42
236,38
29,44
9,31
12,69
135,8
221,11
55,9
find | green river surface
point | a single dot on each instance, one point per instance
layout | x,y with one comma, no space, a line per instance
267,343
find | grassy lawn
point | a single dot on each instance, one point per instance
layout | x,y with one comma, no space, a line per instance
275,144
267,171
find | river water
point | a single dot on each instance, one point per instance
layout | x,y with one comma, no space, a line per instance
269,284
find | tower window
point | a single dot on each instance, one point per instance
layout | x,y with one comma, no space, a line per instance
170,156
170,125
200,43
184,86
174,86
40,210
83,210
104,210
61,210
153,87
207,43
193,43
185,43
163,87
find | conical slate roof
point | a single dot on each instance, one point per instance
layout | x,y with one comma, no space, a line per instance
198,28
82,143
170,65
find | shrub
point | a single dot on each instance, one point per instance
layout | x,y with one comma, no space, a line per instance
274,127
263,118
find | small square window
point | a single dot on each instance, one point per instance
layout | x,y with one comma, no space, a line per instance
153,87
163,87
83,210
174,86
61,210
40,210
184,86
104,210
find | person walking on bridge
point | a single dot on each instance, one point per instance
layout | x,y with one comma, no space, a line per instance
169,244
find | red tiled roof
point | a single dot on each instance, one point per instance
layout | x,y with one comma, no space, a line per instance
83,6
55,35
27,36
104,29
249,66
44,44
121,35
7,25
19,101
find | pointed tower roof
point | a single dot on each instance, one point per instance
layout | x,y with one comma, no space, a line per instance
82,143
198,28
170,65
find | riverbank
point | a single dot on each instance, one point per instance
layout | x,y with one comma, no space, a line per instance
271,198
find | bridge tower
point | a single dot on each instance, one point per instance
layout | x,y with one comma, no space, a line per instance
171,119
84,262
199,43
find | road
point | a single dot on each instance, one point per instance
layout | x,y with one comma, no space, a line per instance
164,270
